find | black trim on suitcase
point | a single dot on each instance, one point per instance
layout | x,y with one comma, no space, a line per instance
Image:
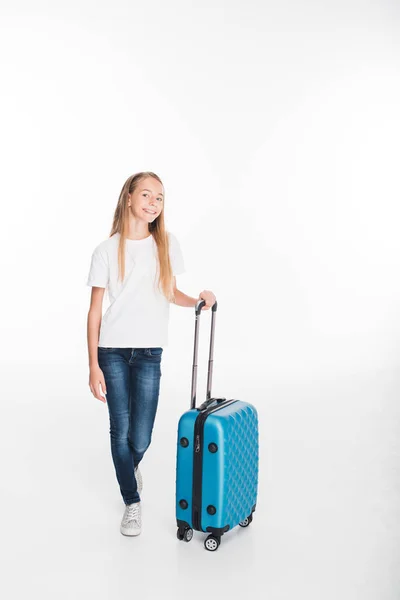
198,460
218,530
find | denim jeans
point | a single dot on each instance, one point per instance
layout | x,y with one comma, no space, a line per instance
132,377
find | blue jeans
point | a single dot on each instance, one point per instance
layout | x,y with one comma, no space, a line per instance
132,377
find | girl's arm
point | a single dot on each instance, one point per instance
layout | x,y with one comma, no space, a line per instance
182,299
93,324
96,376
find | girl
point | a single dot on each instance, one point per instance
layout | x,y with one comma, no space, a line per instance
137,264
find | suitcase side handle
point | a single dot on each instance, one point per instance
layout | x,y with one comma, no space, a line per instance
207,403
198,309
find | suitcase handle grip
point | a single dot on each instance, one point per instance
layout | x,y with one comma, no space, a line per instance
201,303
198,310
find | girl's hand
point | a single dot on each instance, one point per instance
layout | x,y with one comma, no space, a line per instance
209,297
96,378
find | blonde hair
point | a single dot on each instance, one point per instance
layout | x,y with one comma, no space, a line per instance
156,228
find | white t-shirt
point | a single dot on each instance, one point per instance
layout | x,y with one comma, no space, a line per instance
138,314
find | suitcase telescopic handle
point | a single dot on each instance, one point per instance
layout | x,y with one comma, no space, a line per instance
198,310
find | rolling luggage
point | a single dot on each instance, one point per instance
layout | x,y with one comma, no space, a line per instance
217,459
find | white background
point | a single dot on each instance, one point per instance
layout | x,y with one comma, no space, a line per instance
275,128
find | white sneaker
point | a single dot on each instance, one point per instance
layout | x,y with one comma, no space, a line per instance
139,479
131,523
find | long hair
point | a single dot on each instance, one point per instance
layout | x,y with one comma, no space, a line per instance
156,228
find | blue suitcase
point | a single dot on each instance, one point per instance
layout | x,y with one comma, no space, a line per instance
217,460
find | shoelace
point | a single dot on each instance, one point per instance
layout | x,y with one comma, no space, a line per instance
132,513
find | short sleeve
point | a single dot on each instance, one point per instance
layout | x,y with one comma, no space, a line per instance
98,273
176,256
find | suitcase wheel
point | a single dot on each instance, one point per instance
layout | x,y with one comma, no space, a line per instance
211,543
246,522
186,535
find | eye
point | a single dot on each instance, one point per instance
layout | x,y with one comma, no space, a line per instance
160,199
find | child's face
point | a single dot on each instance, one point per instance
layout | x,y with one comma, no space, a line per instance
147,200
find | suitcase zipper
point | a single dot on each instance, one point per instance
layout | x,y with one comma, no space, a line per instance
198,461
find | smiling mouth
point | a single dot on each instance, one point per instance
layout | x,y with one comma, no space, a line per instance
149,212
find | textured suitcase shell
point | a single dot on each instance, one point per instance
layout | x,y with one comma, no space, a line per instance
230,475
